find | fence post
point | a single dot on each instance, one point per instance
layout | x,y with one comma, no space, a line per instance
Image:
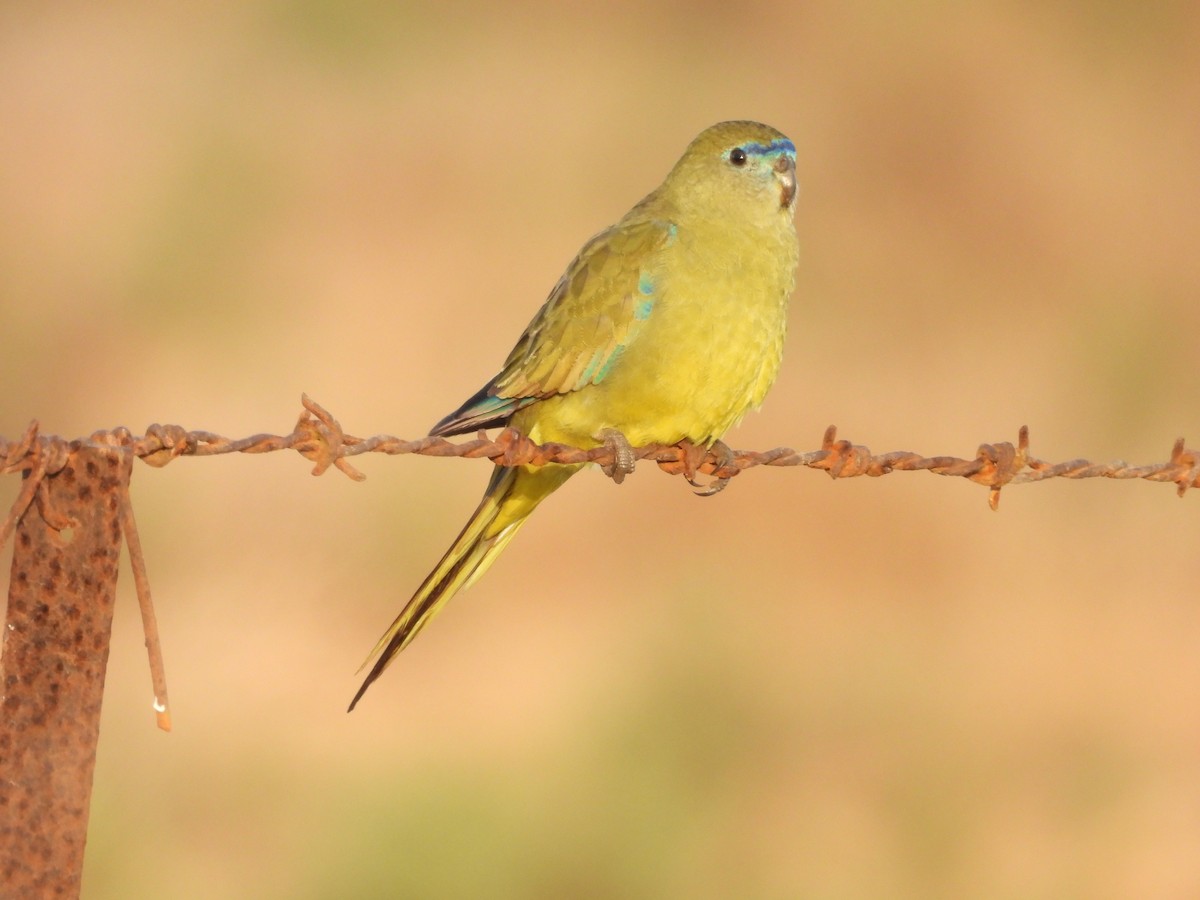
54,651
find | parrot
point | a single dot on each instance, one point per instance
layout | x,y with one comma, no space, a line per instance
666,327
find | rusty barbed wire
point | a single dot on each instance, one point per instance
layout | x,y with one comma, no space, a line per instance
319,437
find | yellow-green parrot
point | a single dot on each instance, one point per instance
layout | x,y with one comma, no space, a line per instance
667,326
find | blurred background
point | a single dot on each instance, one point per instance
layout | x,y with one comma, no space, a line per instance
800,688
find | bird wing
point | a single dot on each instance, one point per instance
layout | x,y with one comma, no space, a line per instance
590,318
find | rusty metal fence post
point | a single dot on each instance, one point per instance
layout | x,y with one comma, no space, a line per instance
55,649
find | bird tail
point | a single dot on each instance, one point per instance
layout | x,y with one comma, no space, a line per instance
511,496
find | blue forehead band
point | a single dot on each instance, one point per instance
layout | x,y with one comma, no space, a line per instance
776,147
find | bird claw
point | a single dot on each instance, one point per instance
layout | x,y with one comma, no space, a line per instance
623,457
713,487
694,457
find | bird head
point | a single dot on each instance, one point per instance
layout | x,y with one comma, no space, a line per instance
736,167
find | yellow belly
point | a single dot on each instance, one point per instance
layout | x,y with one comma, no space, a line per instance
707,355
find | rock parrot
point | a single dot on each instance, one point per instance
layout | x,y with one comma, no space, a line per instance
666,327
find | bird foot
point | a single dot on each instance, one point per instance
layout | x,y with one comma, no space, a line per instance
693,458
624,460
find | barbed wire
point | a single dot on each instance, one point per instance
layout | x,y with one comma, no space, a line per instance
319,437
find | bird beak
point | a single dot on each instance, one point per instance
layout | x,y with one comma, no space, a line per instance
785,171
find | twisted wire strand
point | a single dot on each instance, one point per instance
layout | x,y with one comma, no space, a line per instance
319,437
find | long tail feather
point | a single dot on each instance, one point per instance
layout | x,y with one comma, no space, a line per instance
511,496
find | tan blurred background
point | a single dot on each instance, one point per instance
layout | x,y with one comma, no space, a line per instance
801,688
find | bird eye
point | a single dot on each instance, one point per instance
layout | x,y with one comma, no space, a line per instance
737,156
